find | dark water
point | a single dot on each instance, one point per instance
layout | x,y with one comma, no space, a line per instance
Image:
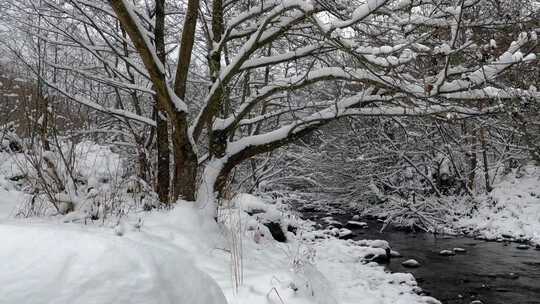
495,273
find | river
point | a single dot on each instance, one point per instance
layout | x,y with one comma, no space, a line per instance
492,272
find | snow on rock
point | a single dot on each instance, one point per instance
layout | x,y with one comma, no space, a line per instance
345,233
331,221
411,263
395,254
251,203
447,252
356,224
263,214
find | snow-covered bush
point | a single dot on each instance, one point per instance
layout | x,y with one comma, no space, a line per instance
425,213
9,140
84,180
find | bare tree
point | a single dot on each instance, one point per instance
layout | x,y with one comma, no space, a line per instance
278,70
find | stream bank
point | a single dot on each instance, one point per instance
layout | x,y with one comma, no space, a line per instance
490,272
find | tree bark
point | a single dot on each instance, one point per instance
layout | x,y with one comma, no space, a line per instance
218,139
185,159
162,128
163,157
186,49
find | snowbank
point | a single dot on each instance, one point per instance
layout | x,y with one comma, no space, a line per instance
357,282
46,263
512,210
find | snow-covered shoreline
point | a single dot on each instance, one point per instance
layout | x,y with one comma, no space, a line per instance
509,213
181,256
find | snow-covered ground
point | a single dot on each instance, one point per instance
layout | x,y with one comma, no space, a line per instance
182,256
512,209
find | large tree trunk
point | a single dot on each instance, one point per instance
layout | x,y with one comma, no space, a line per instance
162,128
163,158
185,161
217,138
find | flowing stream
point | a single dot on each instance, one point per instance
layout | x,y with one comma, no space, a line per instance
492,272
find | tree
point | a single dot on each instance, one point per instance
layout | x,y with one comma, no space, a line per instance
278,70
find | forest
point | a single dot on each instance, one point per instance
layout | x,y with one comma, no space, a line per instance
270,151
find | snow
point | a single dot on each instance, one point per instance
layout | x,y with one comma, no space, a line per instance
254,205
446,252
411,263
96,106
63,264
512,208
183,256
361,12
205,193
9,195
488,72
250,203
357,223
310,269
9,199
340,261
269,60
96,163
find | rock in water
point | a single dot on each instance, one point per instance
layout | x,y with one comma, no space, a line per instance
523,247
512,276
395,254
276,231
447,252
477,302
345,234
412,263
356,217
377,258
356,224
459,250
331,221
